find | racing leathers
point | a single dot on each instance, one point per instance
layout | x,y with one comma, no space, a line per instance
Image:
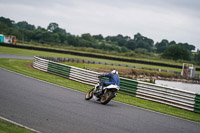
113,80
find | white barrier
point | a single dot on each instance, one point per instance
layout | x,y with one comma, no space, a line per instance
166,95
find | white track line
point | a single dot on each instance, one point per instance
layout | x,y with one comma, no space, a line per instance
20,125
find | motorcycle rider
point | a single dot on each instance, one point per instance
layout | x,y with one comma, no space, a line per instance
113,79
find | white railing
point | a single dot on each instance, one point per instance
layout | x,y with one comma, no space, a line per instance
166,95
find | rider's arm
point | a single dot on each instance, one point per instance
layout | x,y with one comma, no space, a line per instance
107,75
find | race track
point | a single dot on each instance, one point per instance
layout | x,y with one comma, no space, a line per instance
16,56
53,109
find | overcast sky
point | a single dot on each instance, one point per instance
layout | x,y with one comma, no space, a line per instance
177,20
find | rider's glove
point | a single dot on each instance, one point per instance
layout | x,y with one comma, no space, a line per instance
100,76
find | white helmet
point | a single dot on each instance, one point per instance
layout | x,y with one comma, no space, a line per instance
114,72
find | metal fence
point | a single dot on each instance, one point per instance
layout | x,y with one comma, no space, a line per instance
166,95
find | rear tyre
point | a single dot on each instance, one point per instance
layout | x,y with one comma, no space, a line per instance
89,94
107,97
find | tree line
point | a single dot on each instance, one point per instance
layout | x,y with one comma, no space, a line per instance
139,44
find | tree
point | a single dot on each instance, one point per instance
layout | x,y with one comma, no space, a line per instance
38,35
52,27
141,51
102,46
197,57
144,45
73,40
143,42
137,37
122,42
60,31
62,38
15,32
127,38
3,27
98,37
176,52
25,25
40,28
172,43
131,44
162,46
7,21
187,46
88,37
124,50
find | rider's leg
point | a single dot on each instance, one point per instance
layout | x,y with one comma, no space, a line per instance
101,86
104,83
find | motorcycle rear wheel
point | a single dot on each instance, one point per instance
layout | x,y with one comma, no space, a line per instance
107,97
89,94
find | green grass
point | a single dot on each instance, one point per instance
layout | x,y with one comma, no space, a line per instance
7,127
102,52
23,67
24,52
123,71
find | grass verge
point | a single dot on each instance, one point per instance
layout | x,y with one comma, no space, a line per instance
7,127
126,72
24,67
102,52
25,52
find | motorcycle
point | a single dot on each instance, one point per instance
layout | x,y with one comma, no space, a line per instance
105,95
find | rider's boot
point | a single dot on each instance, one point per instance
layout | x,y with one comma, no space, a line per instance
101,87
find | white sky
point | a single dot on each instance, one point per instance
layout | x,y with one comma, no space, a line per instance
177,20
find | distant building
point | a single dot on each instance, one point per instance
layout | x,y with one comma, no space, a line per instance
188,70
7,38
1,38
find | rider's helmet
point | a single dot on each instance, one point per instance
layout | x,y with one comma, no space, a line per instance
114,72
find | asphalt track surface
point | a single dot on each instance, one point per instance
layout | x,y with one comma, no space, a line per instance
16,56
54,109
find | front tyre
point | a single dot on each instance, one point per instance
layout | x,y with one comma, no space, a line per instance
89,94
107,97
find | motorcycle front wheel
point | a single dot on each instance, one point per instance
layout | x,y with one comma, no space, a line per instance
89,94
107,97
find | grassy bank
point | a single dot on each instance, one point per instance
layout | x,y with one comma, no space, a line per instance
24,52
7,127
126,72
136,56
24,67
